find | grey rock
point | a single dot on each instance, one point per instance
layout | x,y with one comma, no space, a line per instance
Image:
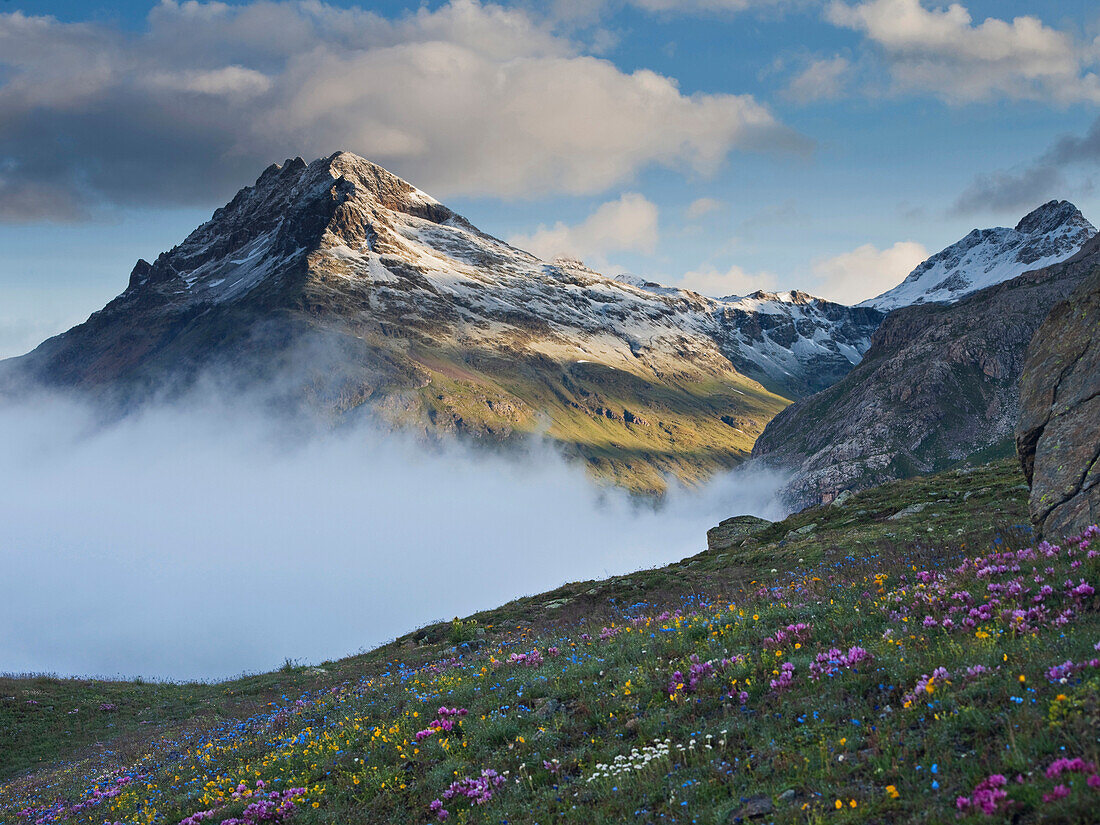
1058,435
911,510
732,531
549,708
752,808
842,498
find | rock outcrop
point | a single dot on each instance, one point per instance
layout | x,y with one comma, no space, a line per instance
939,385
733,531
1058,436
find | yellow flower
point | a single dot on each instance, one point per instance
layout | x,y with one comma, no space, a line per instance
839,804
892,792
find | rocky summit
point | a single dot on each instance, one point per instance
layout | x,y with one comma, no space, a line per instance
1050,234
346,289
1058,436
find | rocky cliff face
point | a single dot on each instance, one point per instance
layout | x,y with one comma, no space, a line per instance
346,288
1058,436
940,384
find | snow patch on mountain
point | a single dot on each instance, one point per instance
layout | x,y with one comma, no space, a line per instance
353,246
1052,233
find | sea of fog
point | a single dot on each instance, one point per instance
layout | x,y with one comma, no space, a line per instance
200,541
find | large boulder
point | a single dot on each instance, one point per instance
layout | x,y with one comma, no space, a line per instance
1058,435
734,530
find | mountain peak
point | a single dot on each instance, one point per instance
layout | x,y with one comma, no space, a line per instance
390,190
1051,216
1047,235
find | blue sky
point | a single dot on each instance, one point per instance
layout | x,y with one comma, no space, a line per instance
721,144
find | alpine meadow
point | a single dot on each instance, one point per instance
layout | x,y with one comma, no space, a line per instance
503,411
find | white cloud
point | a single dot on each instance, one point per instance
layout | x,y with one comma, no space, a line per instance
704,206
697,6
734,281
588,11
866,271
469,99
628,224
823,79
943,52
233,81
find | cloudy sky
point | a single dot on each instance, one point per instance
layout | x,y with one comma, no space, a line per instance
724,145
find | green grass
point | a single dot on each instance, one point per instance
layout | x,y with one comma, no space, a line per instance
347,734
678,427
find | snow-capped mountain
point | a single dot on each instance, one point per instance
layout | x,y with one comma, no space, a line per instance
370,294
1051,234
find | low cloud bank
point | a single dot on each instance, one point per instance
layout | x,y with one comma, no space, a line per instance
202,540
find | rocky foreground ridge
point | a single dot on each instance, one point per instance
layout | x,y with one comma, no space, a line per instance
1058,435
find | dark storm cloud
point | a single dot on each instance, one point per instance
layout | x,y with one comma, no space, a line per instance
1052,175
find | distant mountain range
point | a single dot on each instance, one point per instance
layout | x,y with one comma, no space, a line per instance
338,286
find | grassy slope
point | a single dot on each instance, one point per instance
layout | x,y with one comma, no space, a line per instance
846,739
688,427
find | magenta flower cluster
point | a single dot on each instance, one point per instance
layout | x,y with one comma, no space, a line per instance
444,722
989,796
1014,588
926,684
1069,668
532,659
273,807
791,633
477,789
698,672
834,661
786,677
